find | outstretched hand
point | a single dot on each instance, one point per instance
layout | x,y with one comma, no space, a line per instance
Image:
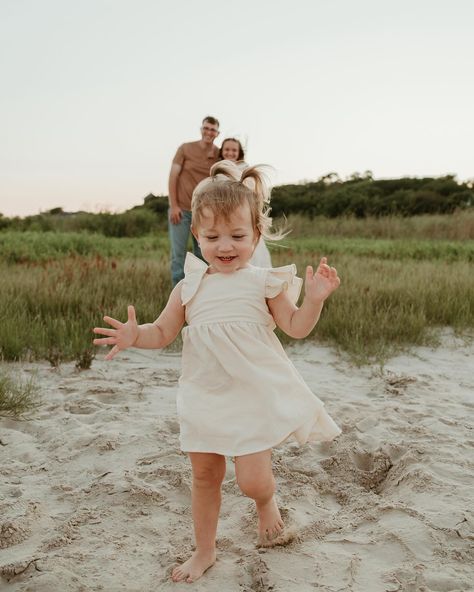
123,335
320,285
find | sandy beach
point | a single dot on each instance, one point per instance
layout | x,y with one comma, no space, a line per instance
95,494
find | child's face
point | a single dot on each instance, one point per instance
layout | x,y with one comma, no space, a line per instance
230,150
227,246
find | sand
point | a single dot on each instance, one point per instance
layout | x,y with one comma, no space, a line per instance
95,494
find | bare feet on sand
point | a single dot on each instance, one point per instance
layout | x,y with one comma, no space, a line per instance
192,569
270,524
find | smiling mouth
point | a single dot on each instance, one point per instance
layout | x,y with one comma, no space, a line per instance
226,259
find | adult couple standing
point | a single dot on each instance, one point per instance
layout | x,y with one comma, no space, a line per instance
191,165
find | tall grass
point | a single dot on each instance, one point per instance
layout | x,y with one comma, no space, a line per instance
457,226
48,310
44,247
20,247
394,249
24,247
384,306
401,280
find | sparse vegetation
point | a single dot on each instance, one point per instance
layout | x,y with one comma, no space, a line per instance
18,396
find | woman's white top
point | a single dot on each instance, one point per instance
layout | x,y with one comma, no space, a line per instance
261,256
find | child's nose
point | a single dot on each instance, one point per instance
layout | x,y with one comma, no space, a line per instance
225,244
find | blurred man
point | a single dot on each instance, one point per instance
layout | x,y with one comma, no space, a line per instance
191,165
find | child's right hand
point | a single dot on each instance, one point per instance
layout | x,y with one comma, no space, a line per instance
122,336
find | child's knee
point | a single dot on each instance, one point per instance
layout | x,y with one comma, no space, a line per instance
208,476
257,488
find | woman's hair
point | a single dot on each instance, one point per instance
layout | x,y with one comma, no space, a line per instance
241,155
228,188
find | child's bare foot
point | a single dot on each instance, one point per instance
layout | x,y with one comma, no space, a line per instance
270,524
192,569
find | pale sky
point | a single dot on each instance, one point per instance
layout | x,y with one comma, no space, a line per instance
96,95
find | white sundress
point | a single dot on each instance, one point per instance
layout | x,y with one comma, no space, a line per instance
238,392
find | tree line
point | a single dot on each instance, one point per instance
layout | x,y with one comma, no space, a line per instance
360,196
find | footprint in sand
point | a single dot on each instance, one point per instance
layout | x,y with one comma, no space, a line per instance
366,469
85,407
256,577
16,525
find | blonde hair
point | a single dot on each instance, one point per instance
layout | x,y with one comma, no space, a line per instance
228,188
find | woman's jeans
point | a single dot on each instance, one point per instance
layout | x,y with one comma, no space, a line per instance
179,235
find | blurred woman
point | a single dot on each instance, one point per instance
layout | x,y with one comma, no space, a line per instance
231,149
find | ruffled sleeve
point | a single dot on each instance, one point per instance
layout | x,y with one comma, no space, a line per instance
194,270
283,278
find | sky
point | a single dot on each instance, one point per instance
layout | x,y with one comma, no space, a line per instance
97,95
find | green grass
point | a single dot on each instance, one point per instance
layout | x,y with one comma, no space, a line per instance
47,311
17,396
44,247
395,249
36,247
457,226
395,292
385,306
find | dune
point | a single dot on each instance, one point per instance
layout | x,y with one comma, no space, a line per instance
95,493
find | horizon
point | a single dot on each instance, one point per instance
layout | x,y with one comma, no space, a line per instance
106,210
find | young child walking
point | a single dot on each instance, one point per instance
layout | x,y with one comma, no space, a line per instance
239,394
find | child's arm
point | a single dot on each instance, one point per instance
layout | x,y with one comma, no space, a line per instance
299,322
149,336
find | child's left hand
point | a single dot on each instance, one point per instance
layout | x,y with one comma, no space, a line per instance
320,285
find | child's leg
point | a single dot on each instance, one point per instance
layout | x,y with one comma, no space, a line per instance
255,478
208,474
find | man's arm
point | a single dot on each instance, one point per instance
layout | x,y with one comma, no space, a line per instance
175,210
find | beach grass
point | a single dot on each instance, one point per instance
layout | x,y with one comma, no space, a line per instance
48,310
43,247
458,226
388,237
18,396
385,306
394,292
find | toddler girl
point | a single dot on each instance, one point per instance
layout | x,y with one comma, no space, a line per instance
239,395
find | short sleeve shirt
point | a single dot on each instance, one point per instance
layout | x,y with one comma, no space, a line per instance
196,163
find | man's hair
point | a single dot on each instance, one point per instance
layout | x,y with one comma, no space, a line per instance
211,120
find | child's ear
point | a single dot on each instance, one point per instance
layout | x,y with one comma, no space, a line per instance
195,234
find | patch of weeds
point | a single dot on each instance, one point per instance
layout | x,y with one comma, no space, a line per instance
17,396
84,359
